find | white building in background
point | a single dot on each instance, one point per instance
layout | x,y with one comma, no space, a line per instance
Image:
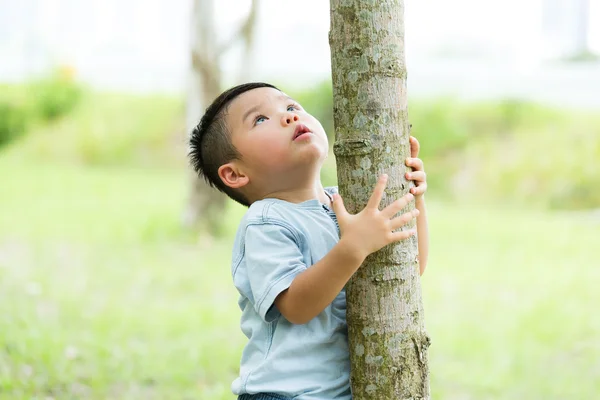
465,47
566,26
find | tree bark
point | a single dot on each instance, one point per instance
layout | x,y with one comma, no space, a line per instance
388,341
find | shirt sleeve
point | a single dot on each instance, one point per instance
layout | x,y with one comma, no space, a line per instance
273,259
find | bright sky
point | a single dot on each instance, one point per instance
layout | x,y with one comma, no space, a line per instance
113,44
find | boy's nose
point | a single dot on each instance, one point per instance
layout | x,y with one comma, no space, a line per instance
288,118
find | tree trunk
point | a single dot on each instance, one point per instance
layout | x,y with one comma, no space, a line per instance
388,342
248,34
206,205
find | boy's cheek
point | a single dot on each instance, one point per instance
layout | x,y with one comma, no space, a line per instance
269,155
317,126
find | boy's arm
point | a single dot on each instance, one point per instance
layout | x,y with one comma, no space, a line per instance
314,289
422,233
419,176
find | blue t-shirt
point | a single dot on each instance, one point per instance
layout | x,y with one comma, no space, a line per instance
275,242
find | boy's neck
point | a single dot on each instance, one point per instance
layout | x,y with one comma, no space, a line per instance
302,194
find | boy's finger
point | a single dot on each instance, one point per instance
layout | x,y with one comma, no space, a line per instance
415,163
414,146
420,189
397,206
338,206
418,176
377,192
402,235
404,219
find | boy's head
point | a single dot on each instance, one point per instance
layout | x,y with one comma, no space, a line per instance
254,142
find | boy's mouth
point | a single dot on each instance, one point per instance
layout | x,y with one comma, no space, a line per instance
301,129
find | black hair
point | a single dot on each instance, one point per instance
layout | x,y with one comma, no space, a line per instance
210,141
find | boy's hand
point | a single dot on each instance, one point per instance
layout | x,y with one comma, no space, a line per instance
418,173
371,229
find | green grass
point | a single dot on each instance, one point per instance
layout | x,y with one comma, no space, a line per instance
511,301
101,293
104,296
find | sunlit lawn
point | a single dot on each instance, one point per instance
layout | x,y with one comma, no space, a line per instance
104,296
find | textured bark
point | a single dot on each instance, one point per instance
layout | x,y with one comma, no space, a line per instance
388,341
206,205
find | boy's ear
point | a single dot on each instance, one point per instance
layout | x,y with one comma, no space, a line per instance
232,176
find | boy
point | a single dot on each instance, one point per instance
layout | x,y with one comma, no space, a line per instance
297,246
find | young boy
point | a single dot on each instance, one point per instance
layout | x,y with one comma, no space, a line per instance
297,246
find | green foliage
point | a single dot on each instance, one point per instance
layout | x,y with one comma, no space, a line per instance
44,100
13,121
55,95
553,167
495,151
103,295
442,128
509,151
113,129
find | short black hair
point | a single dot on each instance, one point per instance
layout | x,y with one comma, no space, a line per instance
210,141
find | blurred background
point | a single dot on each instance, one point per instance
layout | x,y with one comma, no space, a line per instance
115,261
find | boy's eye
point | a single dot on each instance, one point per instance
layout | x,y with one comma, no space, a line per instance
291,108
260,119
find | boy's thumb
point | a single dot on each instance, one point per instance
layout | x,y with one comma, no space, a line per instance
338,205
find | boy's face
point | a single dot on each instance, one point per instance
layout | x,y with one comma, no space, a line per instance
281,145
